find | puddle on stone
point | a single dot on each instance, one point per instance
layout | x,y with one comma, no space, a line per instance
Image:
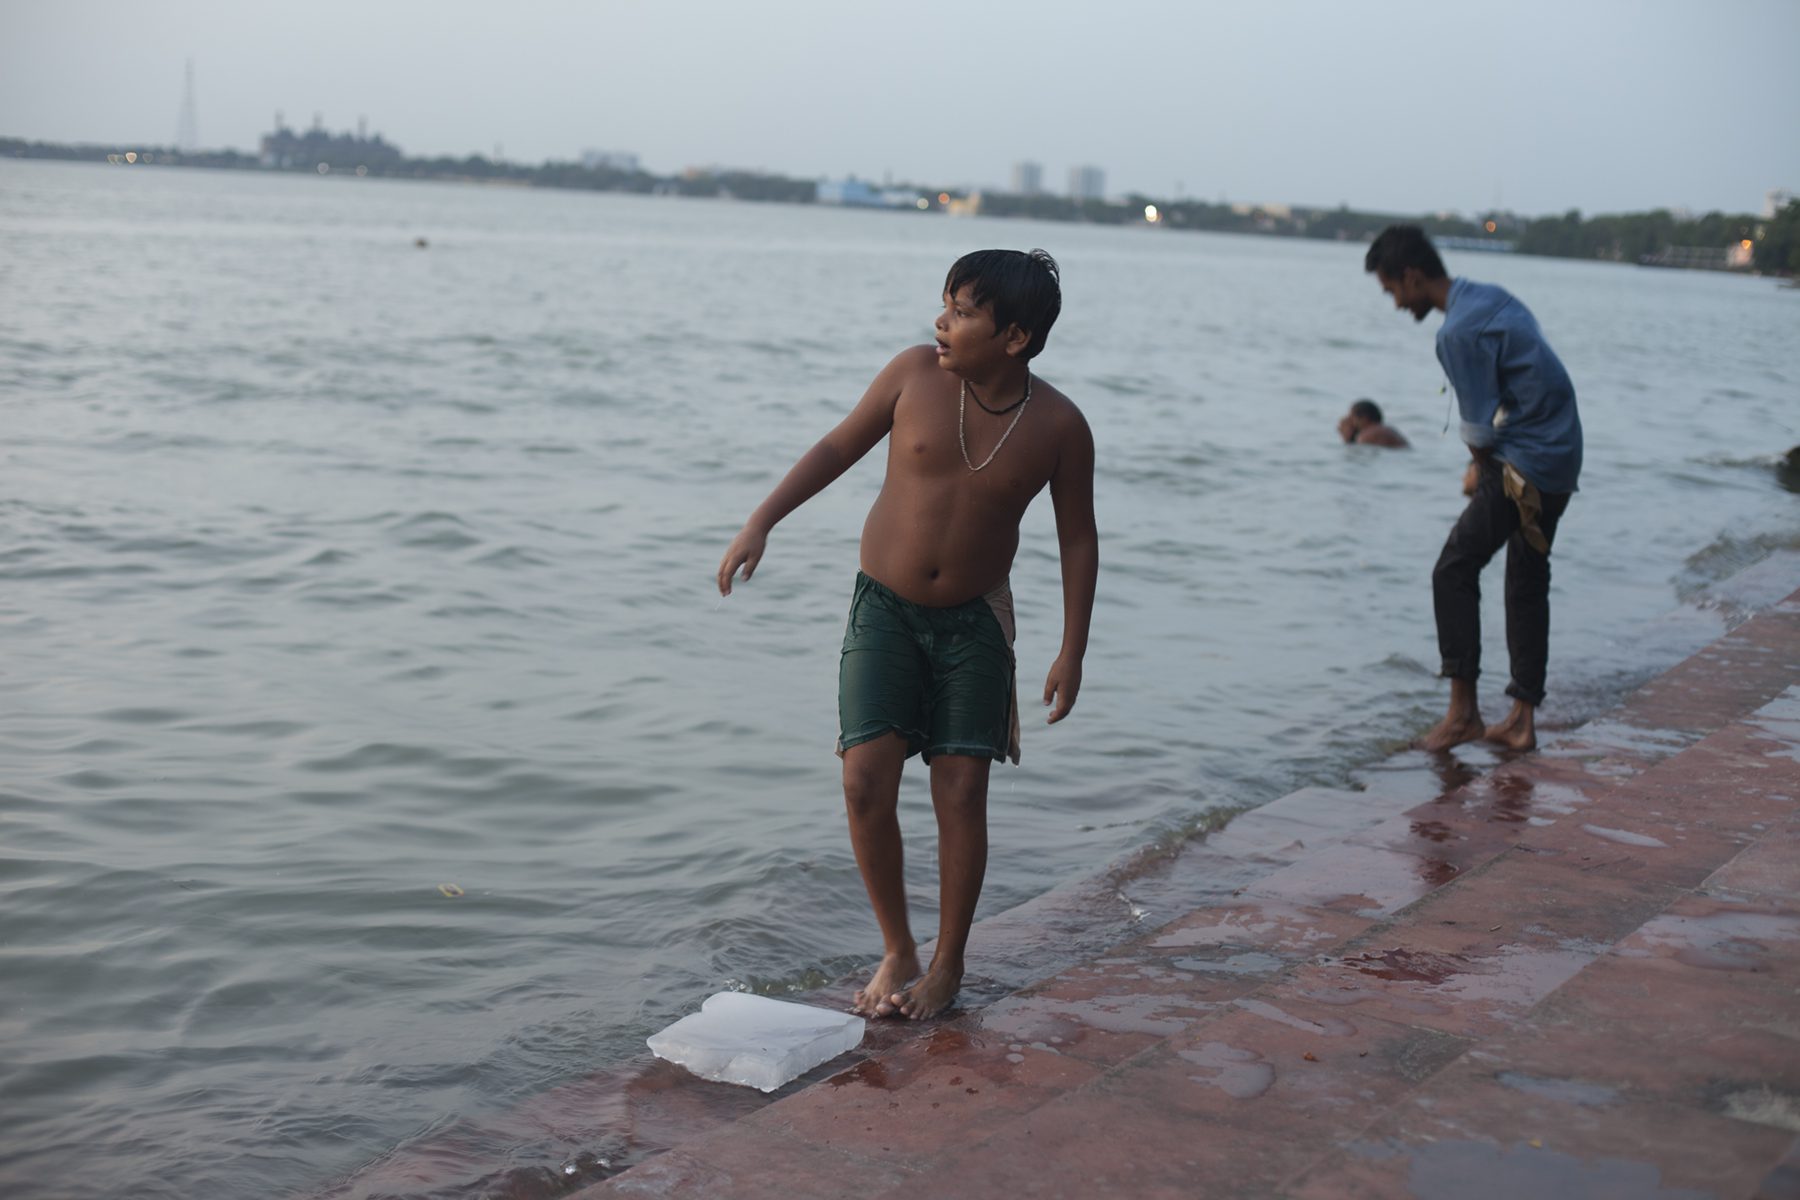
1433,831
1245,962
1510,974
1625,837
946,1041
1735,954
1567,1091
1559,798
1471,1170
1410,966
1240,1074
1344,997
1763,1106
1723,937
1236,927
1324,1026
1436,872
1047,1018
1618,737
869,1072
1513,795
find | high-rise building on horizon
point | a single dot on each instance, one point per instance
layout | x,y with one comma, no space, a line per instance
1027,178
1087,183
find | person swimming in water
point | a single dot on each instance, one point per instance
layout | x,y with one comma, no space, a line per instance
1363,426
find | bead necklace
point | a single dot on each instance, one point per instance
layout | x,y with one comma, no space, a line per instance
962,440
1001,412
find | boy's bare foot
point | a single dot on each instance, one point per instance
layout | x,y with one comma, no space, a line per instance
1518,731
1453,730
930,996
876,999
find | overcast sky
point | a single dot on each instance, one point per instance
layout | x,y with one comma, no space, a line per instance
1404,106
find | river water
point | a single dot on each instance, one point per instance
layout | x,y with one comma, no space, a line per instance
375,751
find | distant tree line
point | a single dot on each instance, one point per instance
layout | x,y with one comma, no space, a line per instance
1632,237
1778,250
230,159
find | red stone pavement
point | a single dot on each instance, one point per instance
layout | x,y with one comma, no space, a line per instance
1577,974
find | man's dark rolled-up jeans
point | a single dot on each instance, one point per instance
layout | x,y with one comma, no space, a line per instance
1490,521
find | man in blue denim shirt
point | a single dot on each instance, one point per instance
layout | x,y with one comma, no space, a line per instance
1524,433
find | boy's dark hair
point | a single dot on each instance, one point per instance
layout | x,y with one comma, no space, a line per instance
1368,410
1024,290
1401,246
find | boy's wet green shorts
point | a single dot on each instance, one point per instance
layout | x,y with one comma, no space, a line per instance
942,678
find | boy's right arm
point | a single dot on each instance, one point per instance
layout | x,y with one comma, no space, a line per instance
834,454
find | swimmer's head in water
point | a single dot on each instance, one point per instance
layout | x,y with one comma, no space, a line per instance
1405,262
1022,289
1366,411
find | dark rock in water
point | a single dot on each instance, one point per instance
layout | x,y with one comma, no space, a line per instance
1787,471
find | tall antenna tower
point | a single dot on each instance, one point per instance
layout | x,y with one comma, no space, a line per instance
187,133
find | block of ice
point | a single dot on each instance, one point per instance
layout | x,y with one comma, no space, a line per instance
756,1041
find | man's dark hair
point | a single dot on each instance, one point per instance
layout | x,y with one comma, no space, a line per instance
1368,410
1024,290
1401,246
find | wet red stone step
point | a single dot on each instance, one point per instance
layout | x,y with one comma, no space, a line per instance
1569,973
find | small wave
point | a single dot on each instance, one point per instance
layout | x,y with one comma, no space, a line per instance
510,557
142,716
1727,555
373,756
1120,385
586,398
351,596
434,531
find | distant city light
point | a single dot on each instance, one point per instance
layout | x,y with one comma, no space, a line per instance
943,197
324,168
924,203
1490,227
1747,244
1151,215
131,156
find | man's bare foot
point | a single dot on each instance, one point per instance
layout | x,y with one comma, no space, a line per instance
1518,731
930,996
876,997
1453,730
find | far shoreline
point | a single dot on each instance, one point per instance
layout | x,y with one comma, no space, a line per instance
1739,244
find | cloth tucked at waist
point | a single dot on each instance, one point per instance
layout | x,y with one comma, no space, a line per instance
1522,492
1000,600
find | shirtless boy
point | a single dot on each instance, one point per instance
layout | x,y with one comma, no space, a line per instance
927,664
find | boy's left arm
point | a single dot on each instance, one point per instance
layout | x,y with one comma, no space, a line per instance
1072,493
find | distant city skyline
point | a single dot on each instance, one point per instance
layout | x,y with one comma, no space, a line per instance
1610,105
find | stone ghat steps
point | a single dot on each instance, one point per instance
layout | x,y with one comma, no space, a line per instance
1577,974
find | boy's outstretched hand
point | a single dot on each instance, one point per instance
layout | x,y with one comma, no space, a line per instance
746,550
1061,687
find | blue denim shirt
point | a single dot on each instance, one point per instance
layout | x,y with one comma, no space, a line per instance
1514,394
